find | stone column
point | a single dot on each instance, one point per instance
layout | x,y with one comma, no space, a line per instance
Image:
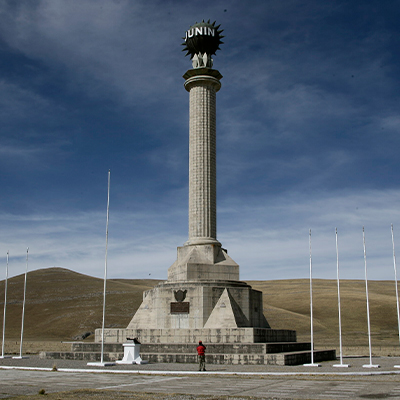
202,84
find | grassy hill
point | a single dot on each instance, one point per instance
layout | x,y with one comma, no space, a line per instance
62,304
287,305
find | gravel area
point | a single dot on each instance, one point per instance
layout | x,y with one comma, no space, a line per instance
388,375
386,365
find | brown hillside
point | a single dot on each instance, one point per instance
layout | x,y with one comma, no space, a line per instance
287,305
62,304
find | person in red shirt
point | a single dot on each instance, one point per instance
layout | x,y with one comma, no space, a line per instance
201,351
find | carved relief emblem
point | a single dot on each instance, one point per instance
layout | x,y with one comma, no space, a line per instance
180,295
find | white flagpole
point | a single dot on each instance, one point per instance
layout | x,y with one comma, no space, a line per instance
397,290
105,271
23,309
340,317
311,314
370,365
102,363
4,314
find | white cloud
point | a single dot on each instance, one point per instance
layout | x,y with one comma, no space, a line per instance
102,45
269,241
391,123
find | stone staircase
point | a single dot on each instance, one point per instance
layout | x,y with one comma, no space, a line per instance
273,353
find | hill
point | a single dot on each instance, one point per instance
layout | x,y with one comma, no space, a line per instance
62,304
287,305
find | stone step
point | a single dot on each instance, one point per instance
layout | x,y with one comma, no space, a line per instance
80,355
291,358
222,348
96,347
286,358
207,335
226,348
275,353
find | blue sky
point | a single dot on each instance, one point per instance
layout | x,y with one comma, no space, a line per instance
307,134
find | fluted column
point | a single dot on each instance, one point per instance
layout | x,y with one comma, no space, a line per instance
202,84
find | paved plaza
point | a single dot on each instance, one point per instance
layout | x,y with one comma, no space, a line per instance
27,377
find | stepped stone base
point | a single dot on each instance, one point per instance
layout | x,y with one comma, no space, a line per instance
276,353
223,335
80,356
292,358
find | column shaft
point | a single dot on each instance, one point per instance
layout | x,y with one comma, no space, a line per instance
202,159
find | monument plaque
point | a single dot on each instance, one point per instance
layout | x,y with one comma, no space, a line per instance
180,307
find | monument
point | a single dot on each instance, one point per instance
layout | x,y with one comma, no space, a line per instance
203,298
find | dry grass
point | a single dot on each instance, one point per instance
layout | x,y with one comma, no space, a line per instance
287,305
62,304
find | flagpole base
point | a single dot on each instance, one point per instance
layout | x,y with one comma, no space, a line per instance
311,365
101,364
3,357
341,365
20,357
371,366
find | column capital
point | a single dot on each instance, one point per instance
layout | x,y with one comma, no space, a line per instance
202,75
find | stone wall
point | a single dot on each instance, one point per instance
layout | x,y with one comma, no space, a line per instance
238,335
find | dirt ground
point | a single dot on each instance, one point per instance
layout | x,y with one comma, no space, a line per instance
109,395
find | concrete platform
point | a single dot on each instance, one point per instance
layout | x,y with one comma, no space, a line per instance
286,353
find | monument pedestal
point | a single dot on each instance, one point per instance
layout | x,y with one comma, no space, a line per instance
206,262
203,299
202,292
131,354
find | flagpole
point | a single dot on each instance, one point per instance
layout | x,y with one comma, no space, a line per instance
102,363
340,317
23,310
311,314
4,314
397,290
105,271
370,365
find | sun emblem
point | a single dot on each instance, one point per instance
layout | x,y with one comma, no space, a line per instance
202,38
